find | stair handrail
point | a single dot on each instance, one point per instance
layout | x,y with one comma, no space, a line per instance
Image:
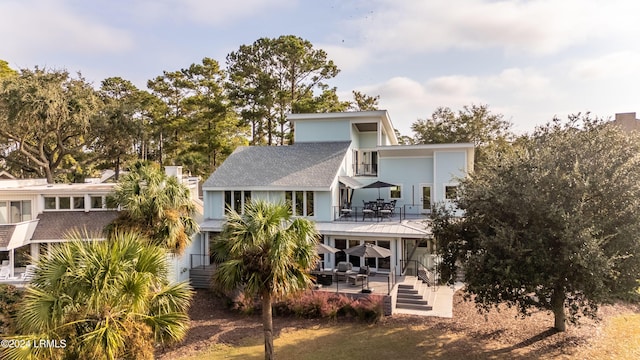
431,277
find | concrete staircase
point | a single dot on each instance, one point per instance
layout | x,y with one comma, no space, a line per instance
200,276
412,295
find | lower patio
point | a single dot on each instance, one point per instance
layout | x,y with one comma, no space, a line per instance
430,300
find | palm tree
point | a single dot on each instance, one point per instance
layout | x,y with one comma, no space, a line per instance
105,299
267,254
156,205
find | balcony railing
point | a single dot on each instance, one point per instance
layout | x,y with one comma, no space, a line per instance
398,213
365,169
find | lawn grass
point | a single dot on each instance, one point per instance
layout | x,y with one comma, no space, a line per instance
621,340
350,341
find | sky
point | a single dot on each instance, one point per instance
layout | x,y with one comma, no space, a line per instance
529,60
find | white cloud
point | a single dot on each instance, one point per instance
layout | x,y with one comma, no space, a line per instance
533,27
509,92
613,65
206,11
347,59
40,26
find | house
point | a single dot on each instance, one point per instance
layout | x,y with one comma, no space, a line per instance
35,216
325,175
627,121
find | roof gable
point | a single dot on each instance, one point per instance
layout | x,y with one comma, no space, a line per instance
55,225
312,165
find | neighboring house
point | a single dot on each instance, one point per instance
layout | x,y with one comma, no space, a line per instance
627,121
323,176
35,216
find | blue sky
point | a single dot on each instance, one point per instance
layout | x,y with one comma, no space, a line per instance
529,60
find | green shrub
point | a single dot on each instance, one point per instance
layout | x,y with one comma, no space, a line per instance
369,309
10,296
320,304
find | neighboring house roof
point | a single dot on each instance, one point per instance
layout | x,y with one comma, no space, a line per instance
6,231
55,225
298,166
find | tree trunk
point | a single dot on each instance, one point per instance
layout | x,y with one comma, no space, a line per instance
117,172
267,323
49,174
557,305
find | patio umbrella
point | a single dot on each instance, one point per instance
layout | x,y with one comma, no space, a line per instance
378,185
325,249
368,250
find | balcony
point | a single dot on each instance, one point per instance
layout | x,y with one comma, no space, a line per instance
365,169
397,214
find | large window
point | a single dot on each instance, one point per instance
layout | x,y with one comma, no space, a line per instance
67,202
379,263
236,200
365,163
301,202
12,212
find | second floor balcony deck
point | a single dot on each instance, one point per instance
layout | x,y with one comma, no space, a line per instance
394,214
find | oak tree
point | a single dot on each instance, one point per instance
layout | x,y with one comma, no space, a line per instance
553,223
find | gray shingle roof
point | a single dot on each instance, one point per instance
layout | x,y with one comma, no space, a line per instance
6,231
296,166
56,224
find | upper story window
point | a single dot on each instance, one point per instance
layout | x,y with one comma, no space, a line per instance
395,192
301,202
97,201
12,212
64,202
365,162
236,200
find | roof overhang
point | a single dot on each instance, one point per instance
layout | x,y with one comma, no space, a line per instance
350,182
404,229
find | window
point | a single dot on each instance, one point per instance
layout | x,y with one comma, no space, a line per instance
78,202
355,260
96,202
451,192
12,212
301,202
236,200
309,207
64,203
395,192
49,203
4,215
365,163
71,202
341,255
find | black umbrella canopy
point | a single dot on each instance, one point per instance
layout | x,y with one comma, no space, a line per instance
378,185
368,250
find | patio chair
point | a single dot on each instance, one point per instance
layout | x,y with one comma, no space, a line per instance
368,210
5,272
343,269
386,210
346,210
28,274
362,276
